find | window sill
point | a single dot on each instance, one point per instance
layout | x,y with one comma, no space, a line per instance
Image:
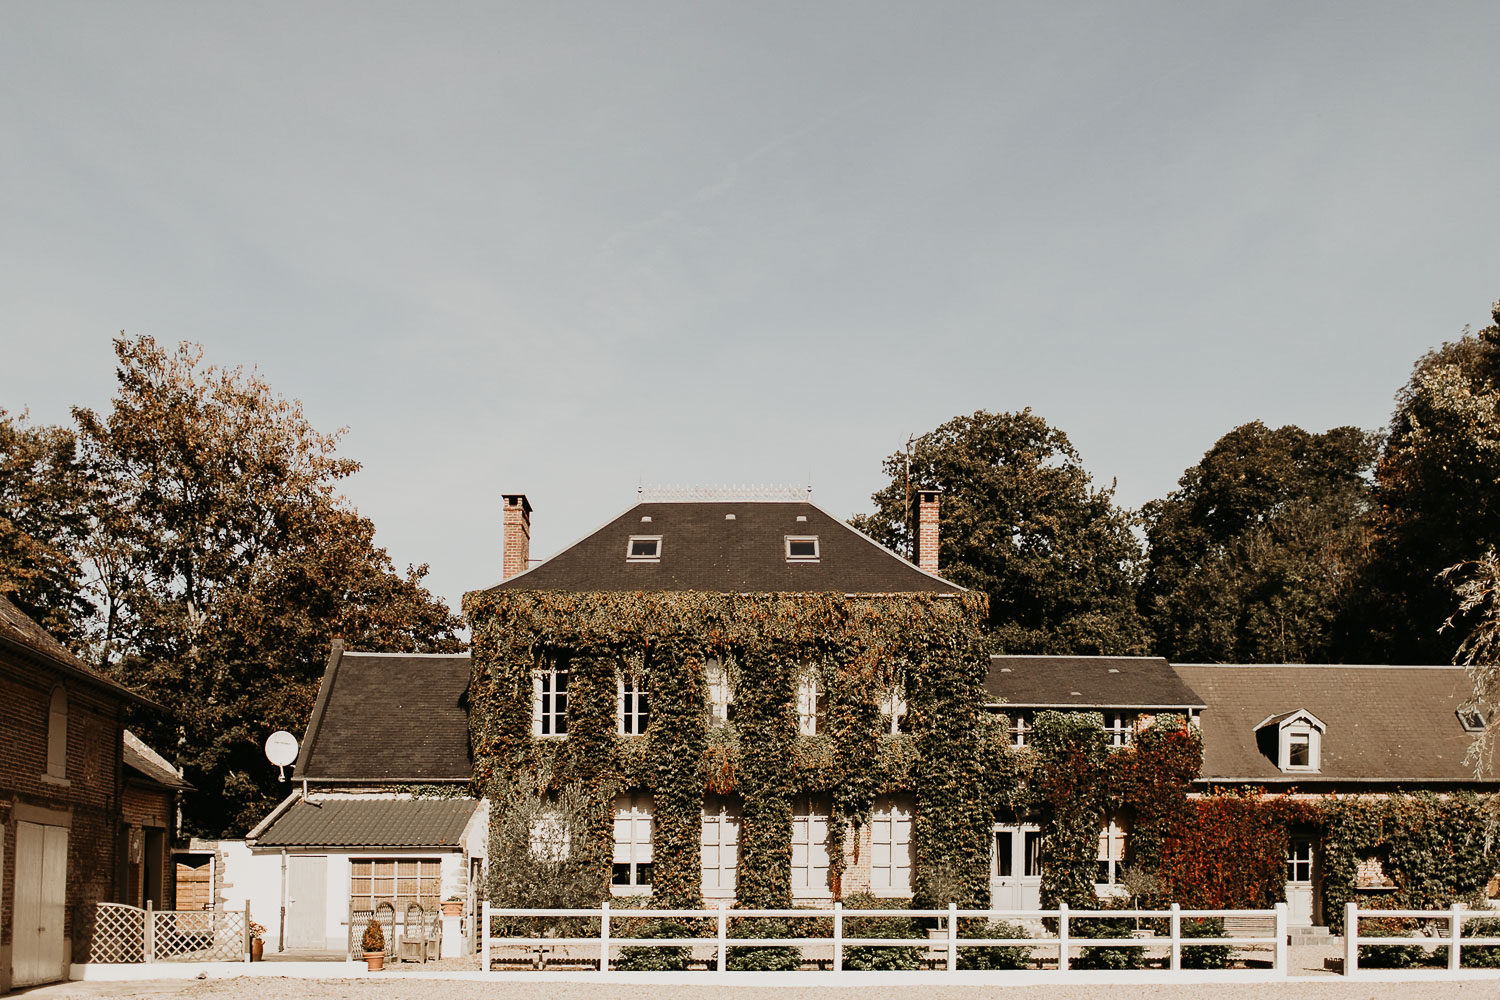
549,737
52,779
630,890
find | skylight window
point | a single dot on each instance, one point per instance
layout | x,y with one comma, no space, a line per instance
801,548
643,548
1472,720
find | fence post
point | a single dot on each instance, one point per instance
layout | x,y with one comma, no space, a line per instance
148,939
1351,937
484,937
1282,965
1455,930
1062,937
604,936
248,939
723,937
1176,963
952,936
838,937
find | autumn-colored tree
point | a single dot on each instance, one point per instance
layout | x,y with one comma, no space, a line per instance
225,561
1254,557
1021,521
45,497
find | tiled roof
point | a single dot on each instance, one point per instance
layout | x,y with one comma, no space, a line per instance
729,547
1384,724
17,629
389,717
370,822
1087,682
149,764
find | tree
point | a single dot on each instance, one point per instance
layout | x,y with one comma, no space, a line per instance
1253,558
225,563
45,497
1437,501
1022,522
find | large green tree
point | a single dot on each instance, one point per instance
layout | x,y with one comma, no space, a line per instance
1254,557
1437,498
1022,521
225,561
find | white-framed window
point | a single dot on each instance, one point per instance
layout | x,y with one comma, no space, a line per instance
632,711
643,548
811,703
721,845
893,711
1004,860
398,881
1121,728
810,845
1294,740
57,733
720,691
549,700
801,548
551,840
890,845
1299,859
632,860
1111,853
1020,729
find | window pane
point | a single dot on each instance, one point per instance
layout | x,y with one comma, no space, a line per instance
621,874
1033,852
1004,859
643,874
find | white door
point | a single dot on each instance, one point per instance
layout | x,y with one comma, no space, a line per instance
1299,882
41,890
1016,867
307,902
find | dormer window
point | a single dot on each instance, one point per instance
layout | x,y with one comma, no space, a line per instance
1472,719
801,548
1294,738
644,548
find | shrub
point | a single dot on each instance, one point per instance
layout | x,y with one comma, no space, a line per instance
763,959
374,939
993,956
1389,956
879,957
1208,956
644,959
1105,958
1480,956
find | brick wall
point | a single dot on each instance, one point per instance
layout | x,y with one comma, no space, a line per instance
517,554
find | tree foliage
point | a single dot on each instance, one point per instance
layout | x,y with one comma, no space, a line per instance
1022,522
1254,557
197,541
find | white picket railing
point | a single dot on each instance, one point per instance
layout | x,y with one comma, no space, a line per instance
1061,944
1454,918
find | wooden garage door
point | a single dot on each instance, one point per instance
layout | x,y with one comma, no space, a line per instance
41,888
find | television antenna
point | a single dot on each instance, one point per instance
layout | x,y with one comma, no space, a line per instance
281,750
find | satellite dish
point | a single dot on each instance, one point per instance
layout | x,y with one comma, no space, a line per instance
281,750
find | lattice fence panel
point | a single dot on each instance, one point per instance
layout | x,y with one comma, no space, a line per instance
199,935
119,934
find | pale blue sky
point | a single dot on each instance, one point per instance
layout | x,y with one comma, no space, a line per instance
556,248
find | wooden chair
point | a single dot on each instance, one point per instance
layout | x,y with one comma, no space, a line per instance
414,934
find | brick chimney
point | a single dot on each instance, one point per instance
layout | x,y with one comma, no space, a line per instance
927,529
517,535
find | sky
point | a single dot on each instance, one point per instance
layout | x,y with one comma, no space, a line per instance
565,249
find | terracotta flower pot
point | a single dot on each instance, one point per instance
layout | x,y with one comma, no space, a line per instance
257,949
453,907
374,960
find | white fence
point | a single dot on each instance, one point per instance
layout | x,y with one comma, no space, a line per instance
1423,941
1054,949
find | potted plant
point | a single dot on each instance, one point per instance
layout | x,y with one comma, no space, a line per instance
374,945
257,941
453,906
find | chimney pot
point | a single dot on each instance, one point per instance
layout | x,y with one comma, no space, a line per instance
517,535
927,529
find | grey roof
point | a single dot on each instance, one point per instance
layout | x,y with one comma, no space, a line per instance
149,764
1383,724
1074,682
370,822
17,630
395,717
702,548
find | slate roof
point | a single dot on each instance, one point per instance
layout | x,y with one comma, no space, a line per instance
702,549
389,717
1384,724
149,764
1087,682
18,630
370,822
